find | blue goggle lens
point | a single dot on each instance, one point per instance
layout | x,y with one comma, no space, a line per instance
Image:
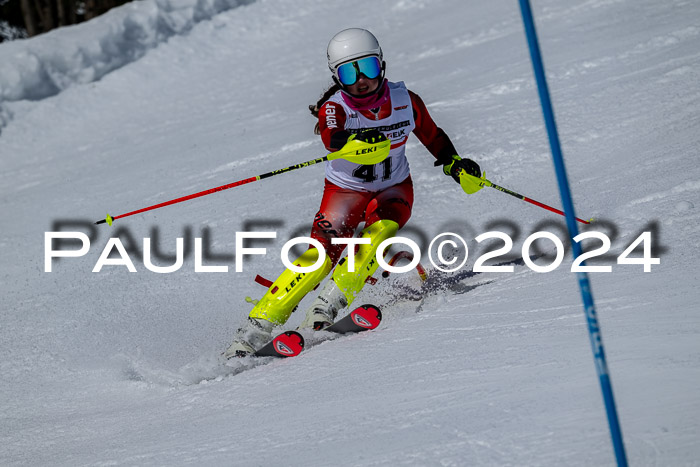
349,73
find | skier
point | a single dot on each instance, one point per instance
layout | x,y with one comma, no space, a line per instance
361,105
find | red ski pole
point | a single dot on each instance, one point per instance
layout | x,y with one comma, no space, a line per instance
471,184
359,152
531,201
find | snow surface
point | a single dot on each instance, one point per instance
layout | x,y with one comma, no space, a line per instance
158,99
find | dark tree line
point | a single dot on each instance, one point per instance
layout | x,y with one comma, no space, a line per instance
38,16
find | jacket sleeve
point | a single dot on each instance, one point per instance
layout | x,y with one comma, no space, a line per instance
428,133
331,123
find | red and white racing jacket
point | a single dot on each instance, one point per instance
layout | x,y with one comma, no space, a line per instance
403,113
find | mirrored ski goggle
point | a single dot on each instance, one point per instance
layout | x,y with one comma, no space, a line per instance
348,73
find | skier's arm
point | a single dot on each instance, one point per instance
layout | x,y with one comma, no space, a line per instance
438,143
331,123
428,133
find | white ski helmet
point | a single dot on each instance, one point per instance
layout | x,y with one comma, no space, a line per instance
350,44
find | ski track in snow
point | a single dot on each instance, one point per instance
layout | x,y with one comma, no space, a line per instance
156,100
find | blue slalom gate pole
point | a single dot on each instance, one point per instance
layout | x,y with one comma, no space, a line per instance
565,191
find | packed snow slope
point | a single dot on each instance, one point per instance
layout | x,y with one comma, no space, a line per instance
159,99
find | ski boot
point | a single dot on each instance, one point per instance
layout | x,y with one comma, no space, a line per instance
278,303
324,308
251,337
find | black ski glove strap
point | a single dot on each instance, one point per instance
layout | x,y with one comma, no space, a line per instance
468,165
369,135
456,164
